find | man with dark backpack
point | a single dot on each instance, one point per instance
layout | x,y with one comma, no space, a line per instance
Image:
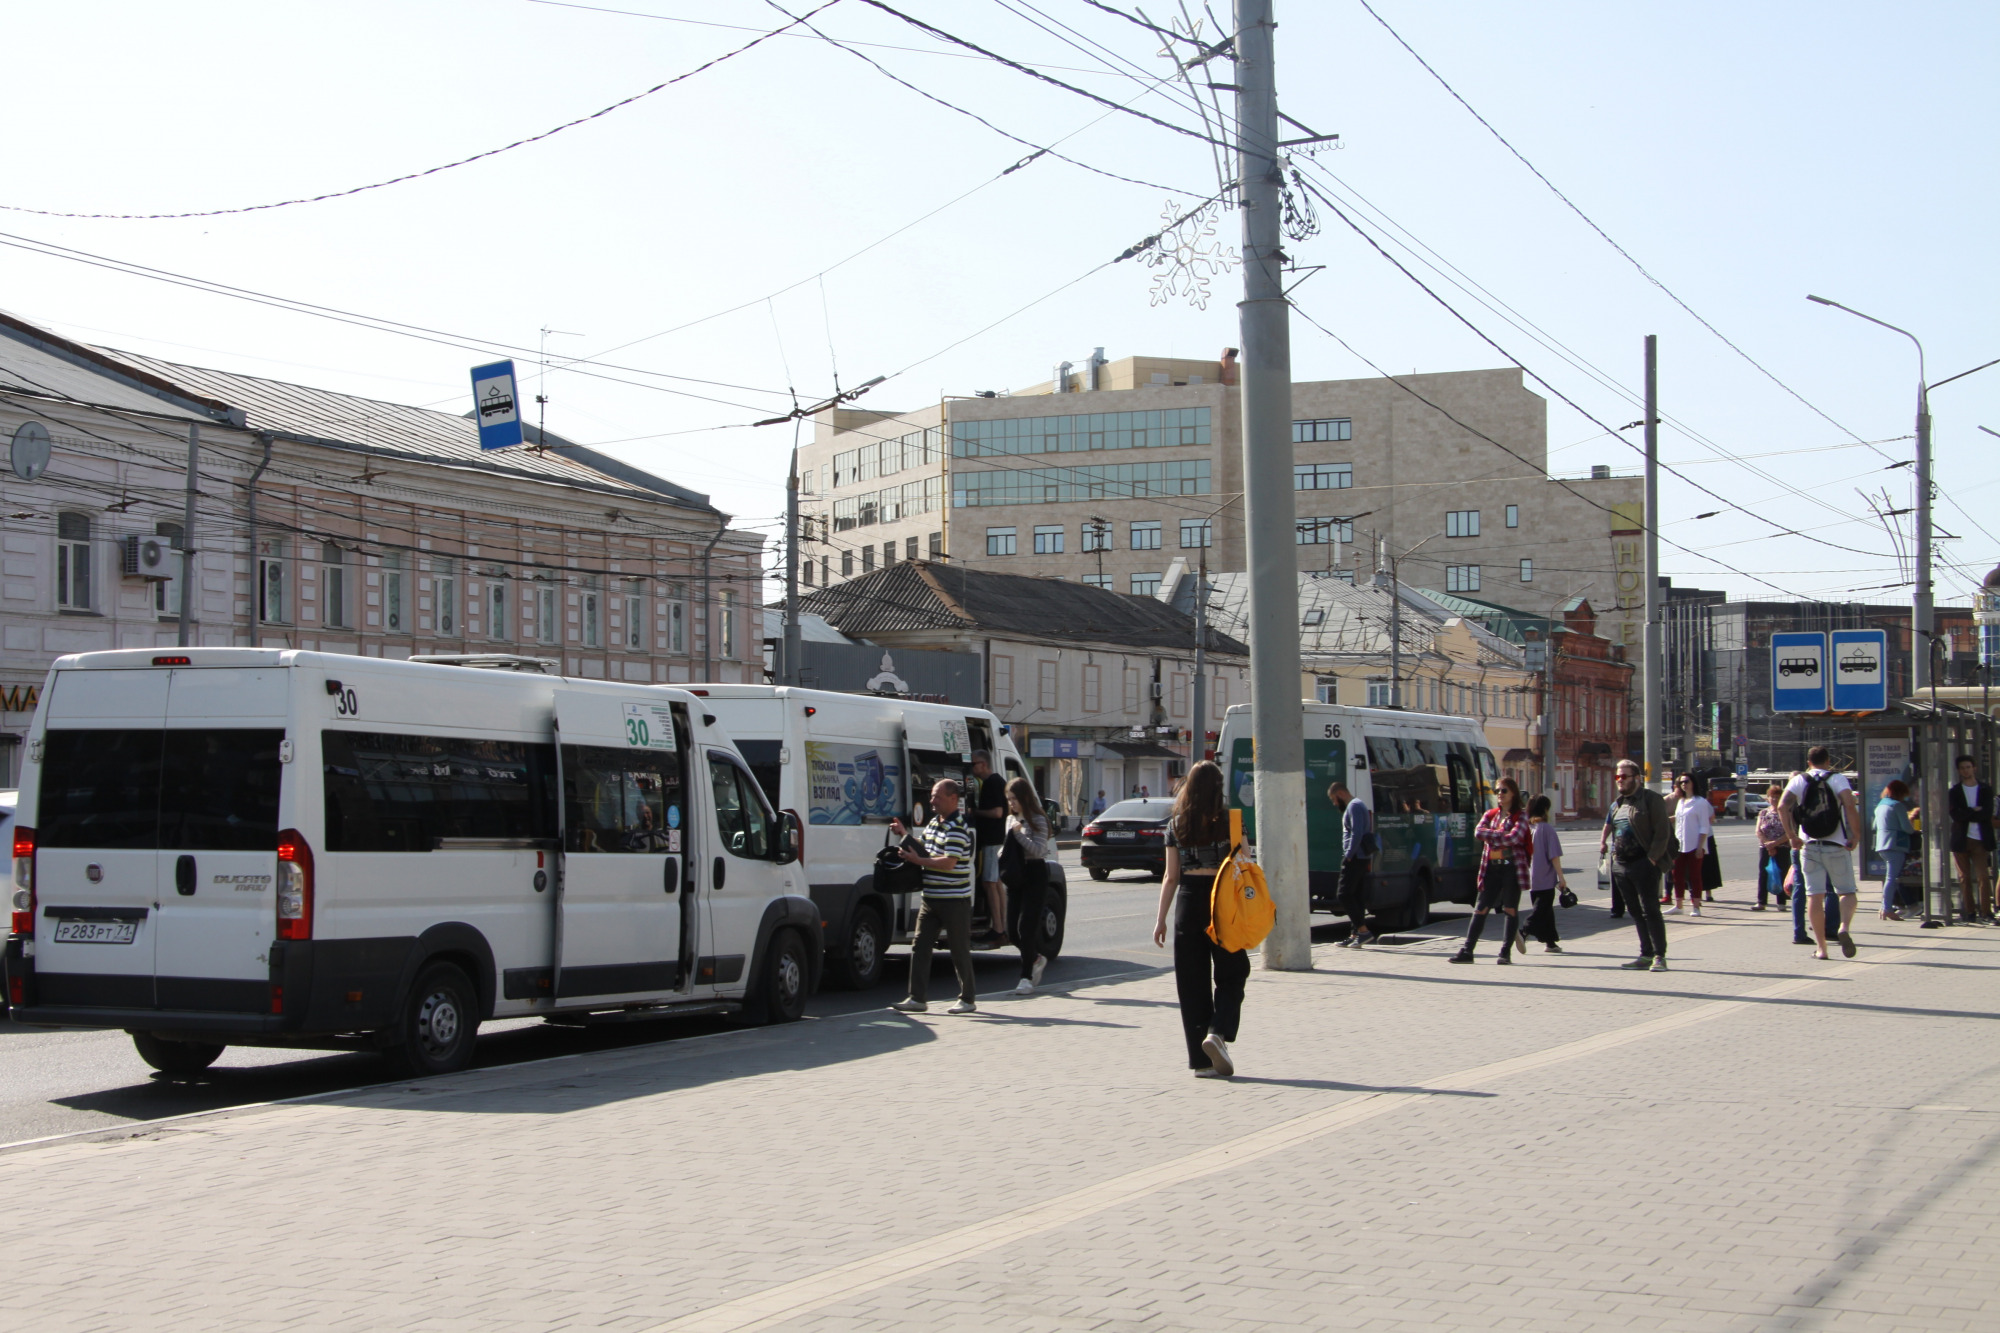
1823,820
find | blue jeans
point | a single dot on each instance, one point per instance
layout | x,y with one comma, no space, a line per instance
1892,868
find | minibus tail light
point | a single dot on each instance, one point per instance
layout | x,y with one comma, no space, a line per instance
24,882
295,887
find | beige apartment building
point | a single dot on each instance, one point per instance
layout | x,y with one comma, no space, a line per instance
343,524
1105,474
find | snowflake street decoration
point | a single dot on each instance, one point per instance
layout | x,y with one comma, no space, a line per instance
1184,256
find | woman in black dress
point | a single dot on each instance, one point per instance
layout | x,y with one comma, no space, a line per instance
1210,978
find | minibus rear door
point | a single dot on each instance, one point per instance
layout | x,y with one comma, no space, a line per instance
96,825
625,816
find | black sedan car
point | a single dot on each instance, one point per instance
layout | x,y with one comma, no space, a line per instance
1131,835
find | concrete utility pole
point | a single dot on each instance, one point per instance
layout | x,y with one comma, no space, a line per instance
187,541
1649,688
1200,657
1549,707
1269,514
788,666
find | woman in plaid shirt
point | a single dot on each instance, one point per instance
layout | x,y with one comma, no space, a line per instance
1503,869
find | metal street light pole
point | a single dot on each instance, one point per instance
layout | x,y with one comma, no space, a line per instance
1396,616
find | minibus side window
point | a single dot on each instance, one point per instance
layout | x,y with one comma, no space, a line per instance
1464,786
740,814
762,756
621,800
1489,775
396,793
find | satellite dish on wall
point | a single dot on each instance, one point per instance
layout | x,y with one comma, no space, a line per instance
29,457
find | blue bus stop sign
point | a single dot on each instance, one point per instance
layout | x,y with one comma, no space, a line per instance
1860,670
496,406
1798,673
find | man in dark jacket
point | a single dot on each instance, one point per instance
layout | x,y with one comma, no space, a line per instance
1972,839
1639,834
1357,852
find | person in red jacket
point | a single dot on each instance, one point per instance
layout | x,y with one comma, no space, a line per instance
1505,837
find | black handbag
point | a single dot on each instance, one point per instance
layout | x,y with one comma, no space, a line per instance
892,873
1566,896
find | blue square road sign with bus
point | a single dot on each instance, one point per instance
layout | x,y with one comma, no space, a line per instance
1798,673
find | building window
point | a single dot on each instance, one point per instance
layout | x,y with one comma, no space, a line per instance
1462,523
1098,581
333,588
635,616
1048,539
727,602
825,570
392,592
1218,704
937,545
1378,693
1179,693
1046,692
496,609
1527,571
1324,531
1513,516
1332,428
1145,585
999,541
1067,485
167,592
1197,532
1097,537
1131,689
1326,689
847,564
1322,476
548,619
1086,431
1146,535
909,548
271,584
867,558
1093,689
676,619
447,596
73,561
1003,683
1461,578
592,602
888,554
806,571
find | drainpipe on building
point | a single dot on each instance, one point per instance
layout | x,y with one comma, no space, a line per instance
187,535
708,600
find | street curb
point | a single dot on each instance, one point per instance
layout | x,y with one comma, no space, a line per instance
663,1050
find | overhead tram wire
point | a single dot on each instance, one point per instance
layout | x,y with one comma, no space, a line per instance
1451,273
1606,236
1103,54
428,171
1572,403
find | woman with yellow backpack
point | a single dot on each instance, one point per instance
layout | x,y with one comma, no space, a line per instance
1198,844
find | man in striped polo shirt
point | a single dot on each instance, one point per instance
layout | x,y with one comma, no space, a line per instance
947,861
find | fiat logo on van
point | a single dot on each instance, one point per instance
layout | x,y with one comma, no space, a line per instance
94,873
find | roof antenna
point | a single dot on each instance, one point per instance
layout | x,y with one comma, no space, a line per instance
541,383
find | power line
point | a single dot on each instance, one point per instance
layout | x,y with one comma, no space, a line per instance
428,171
1571,205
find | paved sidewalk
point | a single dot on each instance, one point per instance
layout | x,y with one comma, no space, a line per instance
1752,1140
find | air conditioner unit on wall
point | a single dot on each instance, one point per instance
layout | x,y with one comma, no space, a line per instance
147,557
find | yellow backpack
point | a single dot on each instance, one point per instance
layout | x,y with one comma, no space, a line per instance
1240,913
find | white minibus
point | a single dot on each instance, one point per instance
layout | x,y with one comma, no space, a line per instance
220,846
845,765
1426,776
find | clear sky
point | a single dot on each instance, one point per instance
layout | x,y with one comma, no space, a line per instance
1744,154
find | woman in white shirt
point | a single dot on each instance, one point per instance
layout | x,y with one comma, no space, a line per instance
1694,817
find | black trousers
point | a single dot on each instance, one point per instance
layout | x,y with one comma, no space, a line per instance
1027,893
1206,1005
1541,923
1638,887
1353,900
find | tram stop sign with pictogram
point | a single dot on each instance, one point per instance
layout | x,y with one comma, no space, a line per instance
496,406
1798,673
1860,670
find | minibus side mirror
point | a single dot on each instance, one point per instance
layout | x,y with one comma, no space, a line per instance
790,838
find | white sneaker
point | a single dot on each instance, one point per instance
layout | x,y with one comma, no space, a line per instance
1694,911
963,1007
1218,1054
1672,911
1036,975
1024,987
910,1007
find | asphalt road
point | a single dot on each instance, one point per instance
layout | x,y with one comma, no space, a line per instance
60,1082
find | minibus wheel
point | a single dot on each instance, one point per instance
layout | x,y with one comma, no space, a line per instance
858,966
1099,873
1055,914
176,1057
440,1022
787,977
